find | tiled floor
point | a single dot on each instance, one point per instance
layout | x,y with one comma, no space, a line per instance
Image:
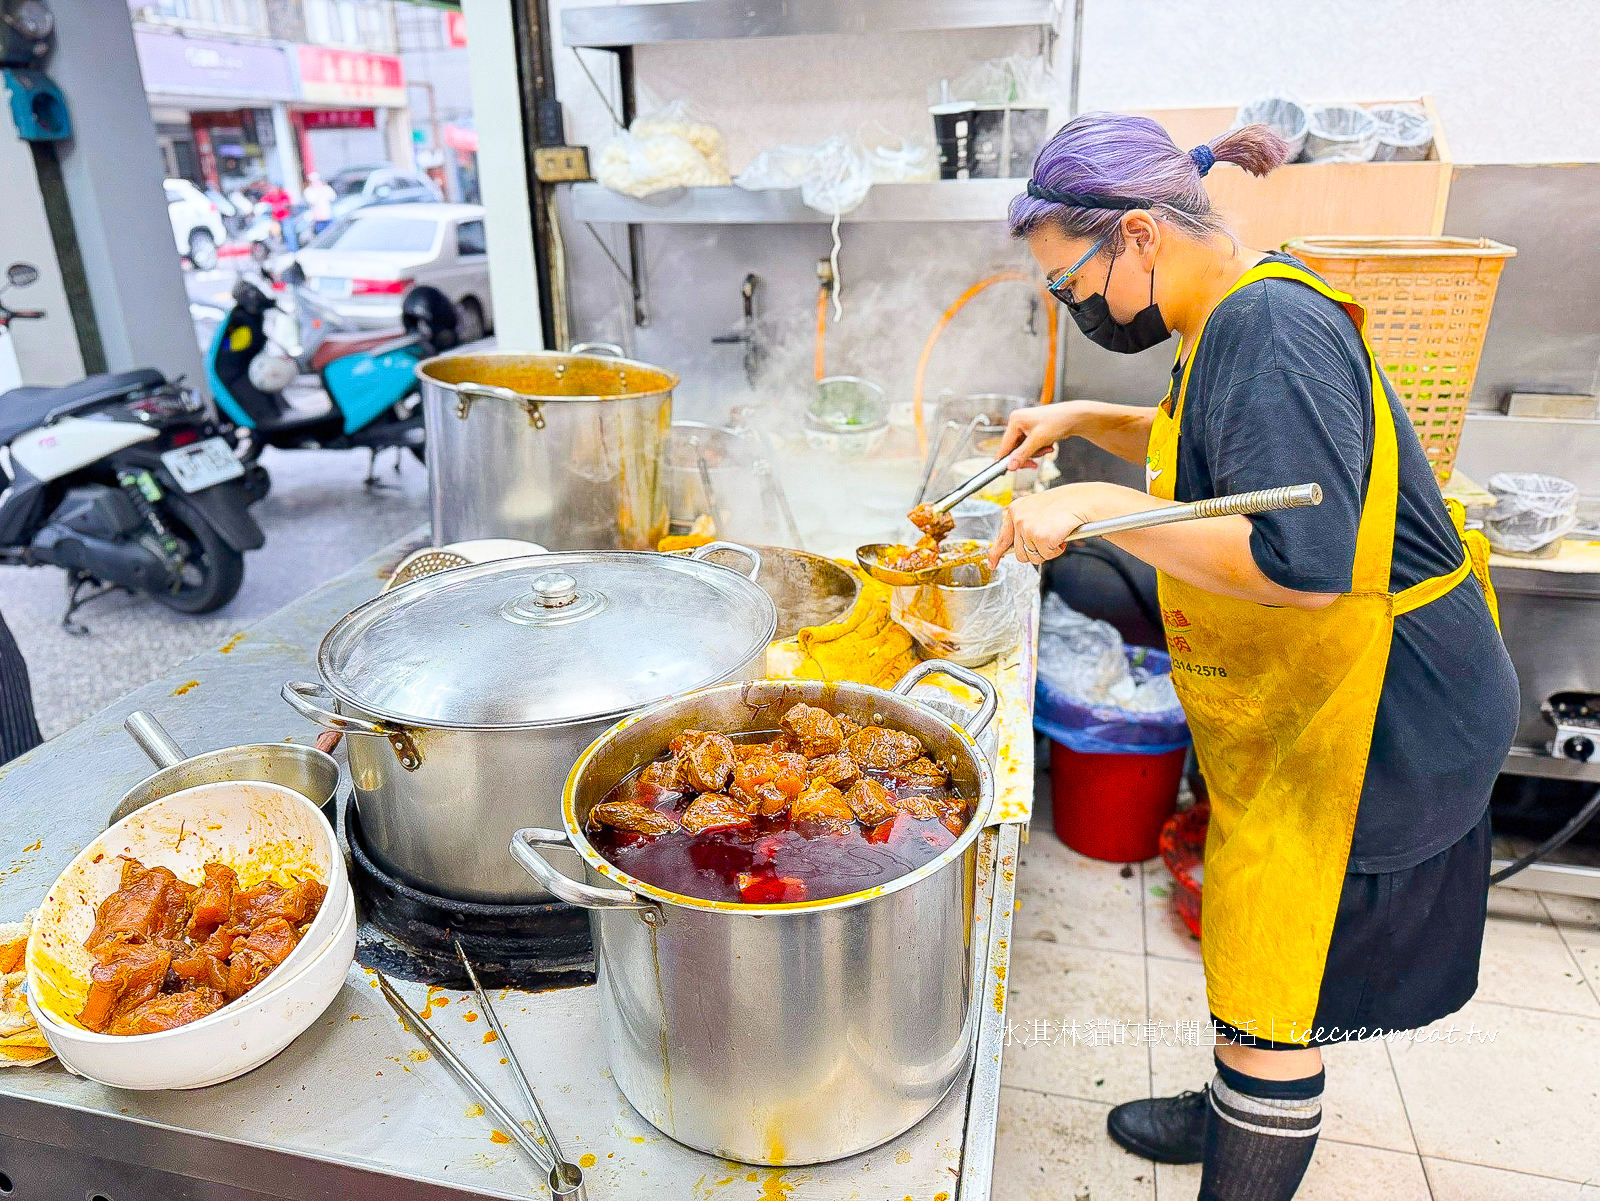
1096,944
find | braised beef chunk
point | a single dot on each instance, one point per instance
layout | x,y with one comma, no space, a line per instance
820,808
706,764
149,903
870,801
214,902
632,817
837,769
877,746
815,731
767,784
168,1011
167,952
935,525
713,811
821,804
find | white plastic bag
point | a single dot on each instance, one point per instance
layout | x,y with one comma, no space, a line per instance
833,176
1287,116
1341,133
893,159
1531,510
1405,132
1083,659
663,150
1014,79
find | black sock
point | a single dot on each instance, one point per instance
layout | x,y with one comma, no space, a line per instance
1259,1136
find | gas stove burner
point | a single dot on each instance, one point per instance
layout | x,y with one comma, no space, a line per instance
406,932
1576,717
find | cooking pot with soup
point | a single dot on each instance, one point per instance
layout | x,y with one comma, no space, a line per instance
796,987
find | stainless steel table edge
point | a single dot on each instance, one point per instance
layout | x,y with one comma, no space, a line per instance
999,854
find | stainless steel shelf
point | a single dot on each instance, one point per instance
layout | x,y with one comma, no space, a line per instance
944,200
608,27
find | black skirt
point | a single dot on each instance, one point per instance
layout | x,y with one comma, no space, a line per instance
1405,946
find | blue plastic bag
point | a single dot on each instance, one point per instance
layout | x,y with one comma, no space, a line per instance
1107,729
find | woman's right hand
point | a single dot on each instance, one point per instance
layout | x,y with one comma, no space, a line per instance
1036,428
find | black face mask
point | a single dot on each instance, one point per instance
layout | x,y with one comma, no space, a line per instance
1093,316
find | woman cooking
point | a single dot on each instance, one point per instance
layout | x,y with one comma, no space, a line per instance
1348,692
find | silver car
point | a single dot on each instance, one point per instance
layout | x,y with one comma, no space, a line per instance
359,269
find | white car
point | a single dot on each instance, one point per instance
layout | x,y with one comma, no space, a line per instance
359,269
196,224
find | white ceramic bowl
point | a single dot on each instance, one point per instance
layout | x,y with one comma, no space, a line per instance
258,829
224,1044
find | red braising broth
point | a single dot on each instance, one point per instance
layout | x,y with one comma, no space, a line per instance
779,825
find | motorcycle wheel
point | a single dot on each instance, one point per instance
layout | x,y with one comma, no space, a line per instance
215,570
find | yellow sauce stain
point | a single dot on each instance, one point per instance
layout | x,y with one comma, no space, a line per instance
902,1156
34,847
474,1111
469,1017
496,1136
999,971
1000,997
441,1000
586,1160
425,1012
489,1036
183,688
355,1017
775,1187
753,1177
638,1138
505,1061
941,1197
420,1056
227,647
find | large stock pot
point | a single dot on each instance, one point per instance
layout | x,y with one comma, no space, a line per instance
780,1034
471,692
562,449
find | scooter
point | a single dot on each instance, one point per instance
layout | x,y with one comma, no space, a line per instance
123,480
374,398
18,275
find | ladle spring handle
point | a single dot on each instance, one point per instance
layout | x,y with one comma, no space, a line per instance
1267,500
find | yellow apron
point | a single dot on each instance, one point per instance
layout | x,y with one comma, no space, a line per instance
1282,703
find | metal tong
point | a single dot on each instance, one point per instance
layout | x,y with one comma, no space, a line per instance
563,1179
977,483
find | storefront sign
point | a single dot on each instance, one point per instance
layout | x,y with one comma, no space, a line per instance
455,29
339,118
350,77
182,66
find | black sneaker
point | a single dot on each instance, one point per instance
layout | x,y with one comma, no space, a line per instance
1165,1129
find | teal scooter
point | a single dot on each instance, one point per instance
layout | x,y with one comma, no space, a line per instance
374,399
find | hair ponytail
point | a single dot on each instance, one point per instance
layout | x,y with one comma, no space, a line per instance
1257,148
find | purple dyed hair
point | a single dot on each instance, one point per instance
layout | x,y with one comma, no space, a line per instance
1117,156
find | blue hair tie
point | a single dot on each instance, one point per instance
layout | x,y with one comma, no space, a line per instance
1204,158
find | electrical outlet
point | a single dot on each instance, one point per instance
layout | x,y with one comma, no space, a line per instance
561,164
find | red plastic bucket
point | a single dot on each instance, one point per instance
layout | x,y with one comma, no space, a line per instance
1112,807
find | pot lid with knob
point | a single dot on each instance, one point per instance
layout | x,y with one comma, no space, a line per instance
547,640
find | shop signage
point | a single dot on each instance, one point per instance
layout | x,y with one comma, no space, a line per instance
339,118
455,29
351,77
174,65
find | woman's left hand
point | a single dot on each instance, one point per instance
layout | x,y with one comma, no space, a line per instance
1036,527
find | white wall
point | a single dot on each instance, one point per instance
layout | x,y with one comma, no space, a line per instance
47,350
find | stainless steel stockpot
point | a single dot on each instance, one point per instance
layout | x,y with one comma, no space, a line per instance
471,692
562,449
780,1034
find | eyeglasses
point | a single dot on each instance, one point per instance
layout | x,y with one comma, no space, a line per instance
1061,286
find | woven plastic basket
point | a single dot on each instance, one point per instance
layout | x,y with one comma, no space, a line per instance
1428,302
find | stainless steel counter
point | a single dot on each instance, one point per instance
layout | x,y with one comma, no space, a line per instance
355,1106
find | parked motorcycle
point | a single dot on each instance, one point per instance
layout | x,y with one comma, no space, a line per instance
18,275
124,480
374,402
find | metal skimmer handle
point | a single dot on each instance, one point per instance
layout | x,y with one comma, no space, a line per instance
1267,500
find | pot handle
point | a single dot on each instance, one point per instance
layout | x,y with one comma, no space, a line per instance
979,721
466,393
299,695
702,552
606,348
153,739
524,849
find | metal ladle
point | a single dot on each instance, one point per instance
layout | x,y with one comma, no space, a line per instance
1266,500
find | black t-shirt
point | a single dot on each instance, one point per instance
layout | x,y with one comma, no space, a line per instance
1281,394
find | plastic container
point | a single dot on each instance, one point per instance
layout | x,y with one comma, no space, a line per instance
1183,850
1341,133
1287,117
1405,133
1112,807
1531,510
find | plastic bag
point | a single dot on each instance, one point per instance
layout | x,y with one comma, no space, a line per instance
969,626
1405,132
833,176
893,159
1098,696
1341,133
1014,79
663,150
1531,510
1287,116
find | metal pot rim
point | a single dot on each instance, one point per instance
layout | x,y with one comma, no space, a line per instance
982,809
672,378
